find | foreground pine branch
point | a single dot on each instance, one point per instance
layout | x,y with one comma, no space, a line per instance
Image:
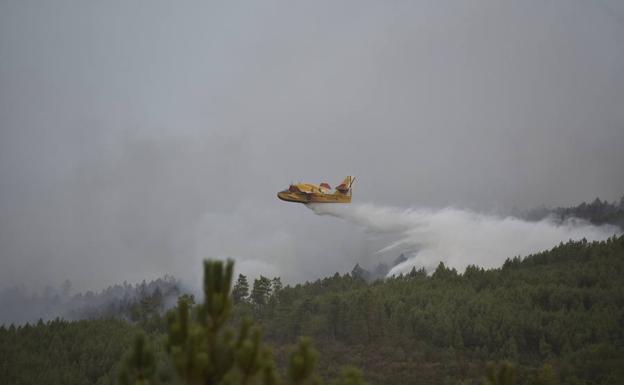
205,351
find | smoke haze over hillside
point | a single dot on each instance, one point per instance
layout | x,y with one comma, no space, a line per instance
137,138
460,237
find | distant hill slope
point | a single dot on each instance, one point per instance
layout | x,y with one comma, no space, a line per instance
597,212
131,302
564,306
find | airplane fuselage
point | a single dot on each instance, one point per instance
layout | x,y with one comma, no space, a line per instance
299,197
321,193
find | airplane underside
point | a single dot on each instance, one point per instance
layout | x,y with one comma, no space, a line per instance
313,197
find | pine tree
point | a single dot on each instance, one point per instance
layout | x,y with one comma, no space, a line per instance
359,273
301,363
276,290
204,351
261,291
241,289
139,365
276,285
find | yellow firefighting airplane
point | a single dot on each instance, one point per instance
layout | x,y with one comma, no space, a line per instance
311,193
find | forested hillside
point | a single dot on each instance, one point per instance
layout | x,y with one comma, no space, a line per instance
598,212
558,315
563,307
62,352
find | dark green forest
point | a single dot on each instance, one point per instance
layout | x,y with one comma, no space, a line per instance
557,316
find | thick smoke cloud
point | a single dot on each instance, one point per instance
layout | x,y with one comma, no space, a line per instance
137,138
460,237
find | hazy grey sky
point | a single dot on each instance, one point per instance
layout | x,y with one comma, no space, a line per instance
138,137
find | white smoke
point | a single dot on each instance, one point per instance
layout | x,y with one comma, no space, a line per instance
460,237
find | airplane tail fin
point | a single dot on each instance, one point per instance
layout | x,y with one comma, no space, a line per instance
345,186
